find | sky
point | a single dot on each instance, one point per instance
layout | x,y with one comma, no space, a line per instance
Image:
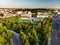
29,3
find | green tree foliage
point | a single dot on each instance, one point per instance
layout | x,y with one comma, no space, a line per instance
30,33
13,23
44,29
5,34
24,38
1,14
34,15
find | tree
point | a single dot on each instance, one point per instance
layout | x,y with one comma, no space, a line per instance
1,14
33,38
5,34
27,42
34,15
23,38
43,30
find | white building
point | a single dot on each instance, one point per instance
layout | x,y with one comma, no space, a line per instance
6,14
28,15
19,12
42,16
58,12
39,13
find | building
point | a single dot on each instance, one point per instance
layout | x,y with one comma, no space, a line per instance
42,16
26,14
39,13
58,12
55,11
19,12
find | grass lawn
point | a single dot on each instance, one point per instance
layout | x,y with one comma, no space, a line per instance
28,21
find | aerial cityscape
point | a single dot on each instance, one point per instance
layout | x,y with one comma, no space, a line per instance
29,22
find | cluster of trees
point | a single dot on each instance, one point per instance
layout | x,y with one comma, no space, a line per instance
30,33
6,25
1,14
33,34
34,15
5,35
35,10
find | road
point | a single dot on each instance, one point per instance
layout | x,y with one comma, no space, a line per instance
15,39
55,33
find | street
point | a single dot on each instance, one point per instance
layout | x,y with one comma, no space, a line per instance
15,39
55,33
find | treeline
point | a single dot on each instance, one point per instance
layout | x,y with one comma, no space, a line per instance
30,33
35,10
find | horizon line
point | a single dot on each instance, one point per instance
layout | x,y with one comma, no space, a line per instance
29,8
